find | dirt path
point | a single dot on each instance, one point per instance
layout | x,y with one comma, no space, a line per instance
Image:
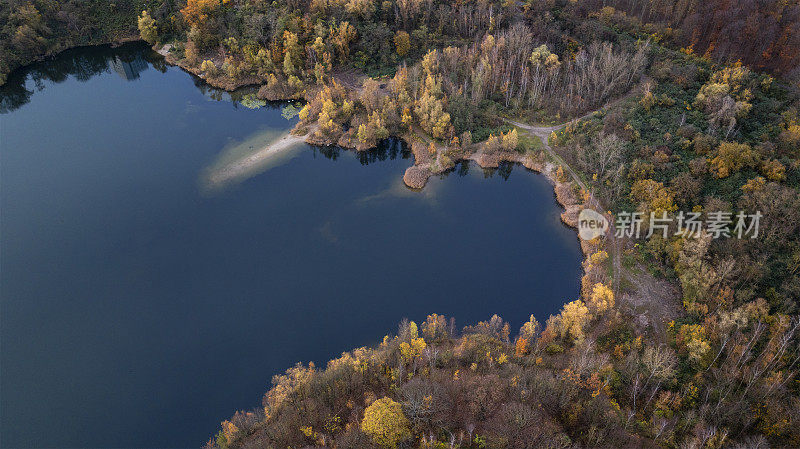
543,133
652,301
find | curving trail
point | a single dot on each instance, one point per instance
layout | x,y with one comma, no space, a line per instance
653,301
543,134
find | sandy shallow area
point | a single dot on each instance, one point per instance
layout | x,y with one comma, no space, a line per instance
246,159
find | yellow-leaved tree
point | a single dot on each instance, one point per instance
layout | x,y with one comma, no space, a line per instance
342,36
653,196
573,319
510,140
147,28
385,423
601,299
732,157
413,349
726,97
402,43
429,106
527,335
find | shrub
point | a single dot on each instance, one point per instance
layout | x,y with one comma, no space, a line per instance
231,68
774,170
554,348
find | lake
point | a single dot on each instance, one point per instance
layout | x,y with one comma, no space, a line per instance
140,308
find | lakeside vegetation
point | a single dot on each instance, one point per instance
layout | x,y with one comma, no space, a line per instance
697,111
30,30
587,380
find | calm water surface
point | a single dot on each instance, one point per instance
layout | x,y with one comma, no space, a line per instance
140,309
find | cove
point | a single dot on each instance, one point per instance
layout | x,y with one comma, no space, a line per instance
139,309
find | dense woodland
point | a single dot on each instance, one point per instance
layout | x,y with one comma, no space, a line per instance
684,106
30,30
431,387
762,34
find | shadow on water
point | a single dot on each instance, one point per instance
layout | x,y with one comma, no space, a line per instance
397,148
82,64
388,149
504,169
128,61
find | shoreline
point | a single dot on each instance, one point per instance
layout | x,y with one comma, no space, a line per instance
113,43
567,193
417,175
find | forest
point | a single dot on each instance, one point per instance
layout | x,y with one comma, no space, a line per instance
671,107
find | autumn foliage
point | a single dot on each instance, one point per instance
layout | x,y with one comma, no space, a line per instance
196,12
385,423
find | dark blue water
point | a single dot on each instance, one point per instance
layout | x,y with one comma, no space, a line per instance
140,310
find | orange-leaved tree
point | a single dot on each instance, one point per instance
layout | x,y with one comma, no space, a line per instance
196,12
